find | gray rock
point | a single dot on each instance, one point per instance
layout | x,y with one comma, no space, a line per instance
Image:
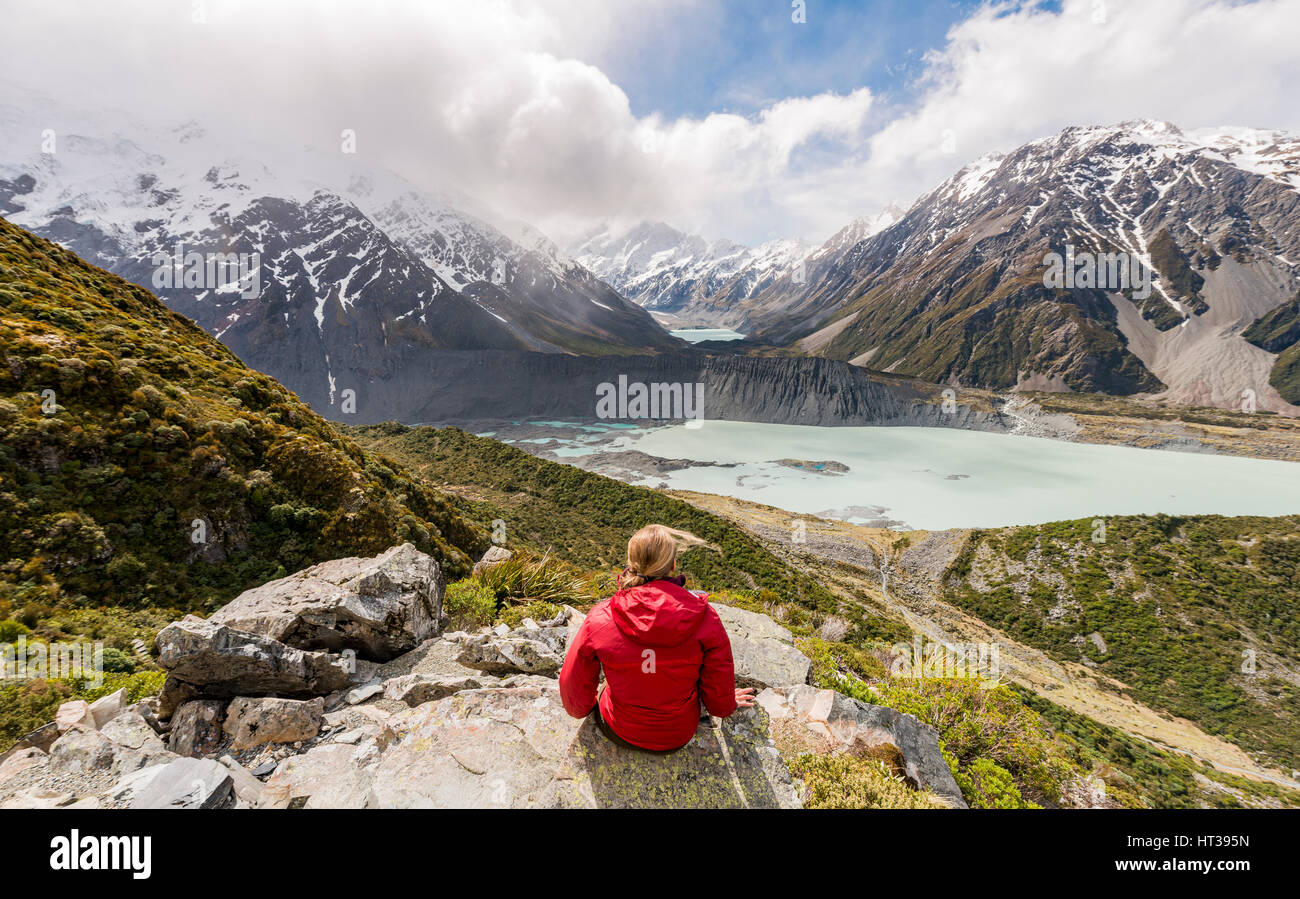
247,787
332,775
222,661
363,692
764,652
74,713
131,730
196,727
825,720
517,748
42,738
186,783
417,689
131,783
106,708
495,555
20,761
507,655
146,711
255,721
139,746
379,607
80,751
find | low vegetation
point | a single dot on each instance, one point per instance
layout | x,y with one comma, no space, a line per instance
143,465
1197,616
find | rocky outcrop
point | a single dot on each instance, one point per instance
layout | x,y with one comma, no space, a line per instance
827,721
379,607
223,661
460,720
498,654
517,748
763,651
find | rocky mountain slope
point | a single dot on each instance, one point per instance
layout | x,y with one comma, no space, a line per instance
144,464
698,283
692,282
356,272
955,291
479,385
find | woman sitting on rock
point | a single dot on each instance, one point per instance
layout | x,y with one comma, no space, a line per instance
663,649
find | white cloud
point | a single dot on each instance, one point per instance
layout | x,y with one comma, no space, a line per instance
499,99
1009,75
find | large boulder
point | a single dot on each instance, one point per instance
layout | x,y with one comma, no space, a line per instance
330,775
517,748
509,654
417,689
254,721
185,783
139,746
82,751
763,650
223,661
827,721
379,607
197,727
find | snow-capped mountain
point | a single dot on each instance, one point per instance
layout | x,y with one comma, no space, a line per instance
349,273
695,281
958,290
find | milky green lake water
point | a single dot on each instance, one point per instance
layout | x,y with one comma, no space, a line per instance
931,478
695,335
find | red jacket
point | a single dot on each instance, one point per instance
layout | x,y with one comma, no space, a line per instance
663,649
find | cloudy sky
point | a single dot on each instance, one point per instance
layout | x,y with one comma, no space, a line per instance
732,118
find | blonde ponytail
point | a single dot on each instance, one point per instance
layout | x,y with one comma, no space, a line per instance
651,554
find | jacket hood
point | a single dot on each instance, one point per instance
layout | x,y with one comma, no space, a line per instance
658,613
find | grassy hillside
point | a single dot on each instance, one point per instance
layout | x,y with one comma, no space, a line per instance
1198,616
143,465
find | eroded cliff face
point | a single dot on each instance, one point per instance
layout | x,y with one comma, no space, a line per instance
447,386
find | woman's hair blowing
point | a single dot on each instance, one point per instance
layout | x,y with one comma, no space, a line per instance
651,554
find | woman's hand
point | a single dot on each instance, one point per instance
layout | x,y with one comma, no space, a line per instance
745,698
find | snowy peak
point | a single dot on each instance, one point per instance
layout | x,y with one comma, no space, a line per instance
351,270
684,275
957,289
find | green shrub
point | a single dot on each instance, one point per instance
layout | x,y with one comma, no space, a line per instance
986,784
11,630
525,577
513,616
843,781
469,605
